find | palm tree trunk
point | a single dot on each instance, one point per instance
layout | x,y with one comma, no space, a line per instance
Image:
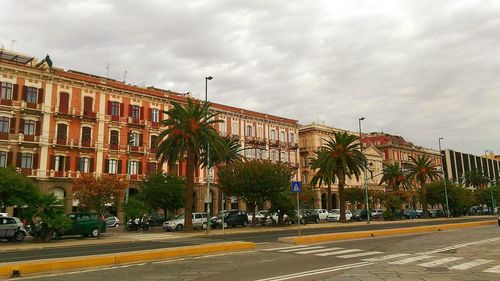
329,199
188,195
341,178
424,199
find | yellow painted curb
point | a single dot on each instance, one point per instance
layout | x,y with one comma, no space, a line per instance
51,265
318,238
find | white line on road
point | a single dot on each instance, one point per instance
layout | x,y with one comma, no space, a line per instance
470,264
461,245
317,251
338,252
308,248
495,269
315,272
439,262
412,259
388,257
284,248
360,255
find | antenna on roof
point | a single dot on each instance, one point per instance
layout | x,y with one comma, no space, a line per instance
125,77
107,69
12,44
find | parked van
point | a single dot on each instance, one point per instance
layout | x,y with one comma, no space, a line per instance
84,224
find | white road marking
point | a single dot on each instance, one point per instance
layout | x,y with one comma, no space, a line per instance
495,269
461,245
316,271
388,257
338,252
317,251
308,248
439,262
412,259
167,261
284,248
360,255
470,264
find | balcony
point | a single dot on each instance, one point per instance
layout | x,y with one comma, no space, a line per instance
114,146
6,102
61,141
136,149
136,122
33,107
249,139
115,118
155,125
29,138
89,114
274,142
4,136
82,144
260,140
152,150
294,145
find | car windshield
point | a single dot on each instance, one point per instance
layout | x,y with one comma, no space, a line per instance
179,217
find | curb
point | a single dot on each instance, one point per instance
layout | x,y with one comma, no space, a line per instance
318,238
50,265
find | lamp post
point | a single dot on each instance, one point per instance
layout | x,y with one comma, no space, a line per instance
366,180
208,159
444,181
491,187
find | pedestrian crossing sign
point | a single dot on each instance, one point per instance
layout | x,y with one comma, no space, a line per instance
296,186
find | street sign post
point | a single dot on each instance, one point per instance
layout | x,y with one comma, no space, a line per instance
296,188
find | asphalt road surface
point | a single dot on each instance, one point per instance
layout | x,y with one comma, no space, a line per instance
257,237
466,254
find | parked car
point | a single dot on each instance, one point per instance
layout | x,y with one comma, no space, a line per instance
177,223
420,213
334,215
376,214
409,214
322,213
272,219
112,221
308,216
84,224
231,218
12,229
4,215
358,215
156,220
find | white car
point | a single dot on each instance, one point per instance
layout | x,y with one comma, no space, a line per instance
322,213
377,213
334,215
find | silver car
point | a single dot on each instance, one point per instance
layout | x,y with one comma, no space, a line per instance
12,229
177,223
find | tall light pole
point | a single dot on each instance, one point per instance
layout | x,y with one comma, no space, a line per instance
491,187
444,180
366,179
208,159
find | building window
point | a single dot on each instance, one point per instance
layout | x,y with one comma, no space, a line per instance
234,128
260,132
292,138
292,156
272,135
31,94
84,165
86,134
133,168
29,127
248,132
6,91
282,136
136,112
155,115
223,128
154,141
3,159
113,166
26,160
62,131
134,139
4,124
63,102
113,137
58,163
87,105
115,108
283,156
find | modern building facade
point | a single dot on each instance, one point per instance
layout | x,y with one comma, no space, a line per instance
56,125
456,164
312,137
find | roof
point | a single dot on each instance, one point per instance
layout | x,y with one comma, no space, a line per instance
15,57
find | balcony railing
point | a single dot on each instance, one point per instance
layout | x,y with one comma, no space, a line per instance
137,149
6,102
61,141
29,138
115,118
137,122
29,105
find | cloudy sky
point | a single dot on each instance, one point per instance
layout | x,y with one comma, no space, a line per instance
419,69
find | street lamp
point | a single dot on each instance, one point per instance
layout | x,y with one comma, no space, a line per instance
444,181
366,180
208,159
491,188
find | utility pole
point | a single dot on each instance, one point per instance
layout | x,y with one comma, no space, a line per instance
366,180
208,159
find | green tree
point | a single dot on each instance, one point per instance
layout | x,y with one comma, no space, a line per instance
47,216
343,158
15,189
393,205
459,198
355,195
422,169
135,207
323,176
482,195
189,128
393,176
163,191
475,178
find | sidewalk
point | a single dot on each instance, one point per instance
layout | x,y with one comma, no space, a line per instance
121,236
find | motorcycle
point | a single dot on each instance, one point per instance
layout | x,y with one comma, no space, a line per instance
137,224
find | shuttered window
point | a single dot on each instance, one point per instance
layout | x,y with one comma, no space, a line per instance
4,125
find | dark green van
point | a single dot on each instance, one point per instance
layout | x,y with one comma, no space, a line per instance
84,224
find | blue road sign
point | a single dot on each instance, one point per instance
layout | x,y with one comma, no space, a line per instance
296,186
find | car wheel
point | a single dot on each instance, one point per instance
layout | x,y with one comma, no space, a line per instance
117,225
204,225
19,236
179,227
245,223
94,232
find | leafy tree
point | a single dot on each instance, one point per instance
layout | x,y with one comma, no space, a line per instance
393,205
422,170
163,191
15,188
93,193
232,152
134,207
482,195
343,158
189,128
323,176
355,195
475,178
283,203
47,216
393,176
306,197
459,198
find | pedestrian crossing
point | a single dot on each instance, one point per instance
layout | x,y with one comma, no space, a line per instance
420,259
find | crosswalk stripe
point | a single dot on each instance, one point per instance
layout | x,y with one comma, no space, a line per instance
284,248
495,269
470,264
317,251
412,259
388,257
338,252
308,248
439,262
360,255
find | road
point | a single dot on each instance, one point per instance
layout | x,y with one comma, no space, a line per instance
257,237
466,254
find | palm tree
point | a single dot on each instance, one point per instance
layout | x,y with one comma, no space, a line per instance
393,176
321,176
341,158
475,179
232,152
422,169
188,129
